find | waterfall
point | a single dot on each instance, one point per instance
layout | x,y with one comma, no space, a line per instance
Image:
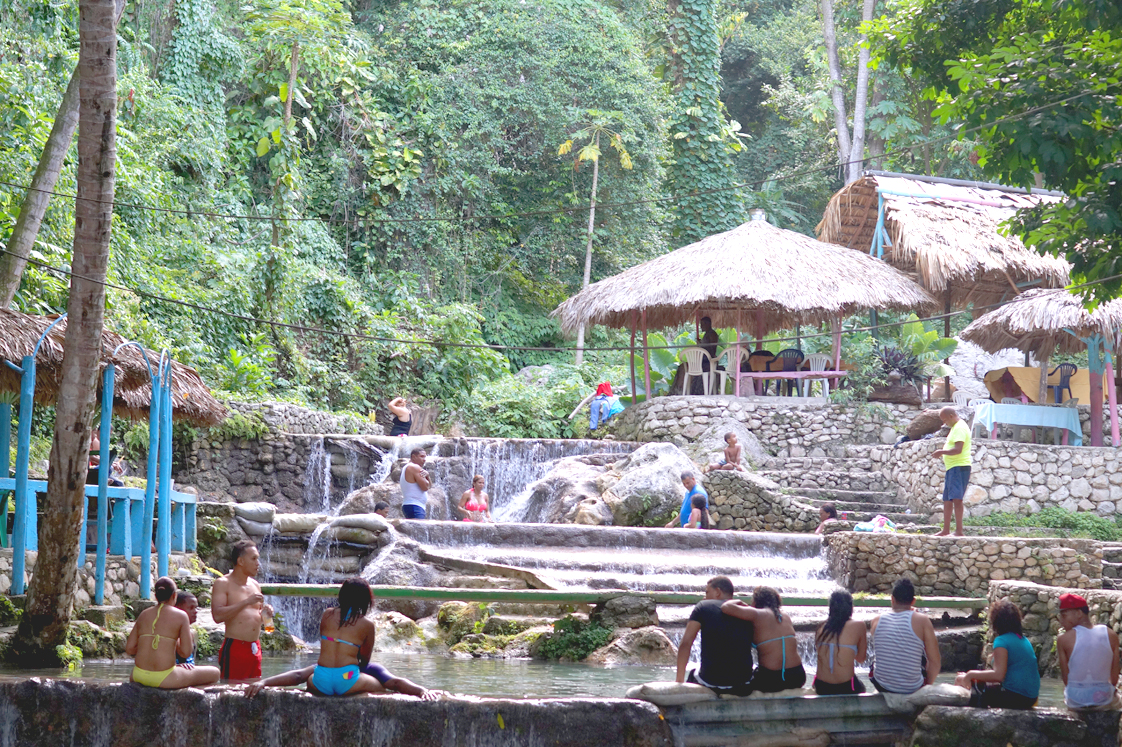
317,479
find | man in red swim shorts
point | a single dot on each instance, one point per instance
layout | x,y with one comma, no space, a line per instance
237,601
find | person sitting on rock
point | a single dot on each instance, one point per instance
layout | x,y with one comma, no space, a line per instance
1014,681
148,641
780,667
726,643
826,513
906,652
187,602
382,509
841,643
689,481
388,682
733,453
1088,657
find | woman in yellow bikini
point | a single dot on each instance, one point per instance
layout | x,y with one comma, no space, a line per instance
159,632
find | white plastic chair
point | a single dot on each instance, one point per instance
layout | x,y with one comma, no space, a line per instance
973,405
960,399
722,376
817,362
693,358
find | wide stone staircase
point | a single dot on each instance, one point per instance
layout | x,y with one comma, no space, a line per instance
850,483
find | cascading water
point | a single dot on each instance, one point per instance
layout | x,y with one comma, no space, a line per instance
317,478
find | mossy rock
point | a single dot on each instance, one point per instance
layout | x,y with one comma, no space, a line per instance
9,613
95,642
528,643
458,619
499,625
480,646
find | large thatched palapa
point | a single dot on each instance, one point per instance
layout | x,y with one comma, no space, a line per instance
755,272
758,274
944,233
1045,322
191,399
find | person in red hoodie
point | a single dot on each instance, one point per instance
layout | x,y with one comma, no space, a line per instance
603,406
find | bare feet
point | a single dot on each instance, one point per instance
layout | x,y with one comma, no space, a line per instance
943,533
959,534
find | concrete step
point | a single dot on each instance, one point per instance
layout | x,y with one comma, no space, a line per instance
851,496
1112,553
860,506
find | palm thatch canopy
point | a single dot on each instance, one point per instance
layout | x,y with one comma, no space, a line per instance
191,398
944,234
1038,321
784,277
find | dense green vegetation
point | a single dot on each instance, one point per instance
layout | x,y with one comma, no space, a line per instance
391,172
1070,523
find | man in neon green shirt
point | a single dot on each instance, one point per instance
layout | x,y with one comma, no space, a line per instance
956,458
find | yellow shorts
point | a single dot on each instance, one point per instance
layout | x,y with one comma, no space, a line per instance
149,678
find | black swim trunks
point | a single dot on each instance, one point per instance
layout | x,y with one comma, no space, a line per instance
774,680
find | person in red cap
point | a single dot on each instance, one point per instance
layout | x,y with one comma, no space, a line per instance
604,405
1088,658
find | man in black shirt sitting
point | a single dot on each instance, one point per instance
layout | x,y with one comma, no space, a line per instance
726,643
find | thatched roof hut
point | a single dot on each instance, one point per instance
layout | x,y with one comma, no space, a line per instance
1038,322
944,233
191,399
780,277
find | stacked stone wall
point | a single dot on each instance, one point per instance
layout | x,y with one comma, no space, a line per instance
959,566
122,577
790,428
1009,476
285,417
742,500
1040,608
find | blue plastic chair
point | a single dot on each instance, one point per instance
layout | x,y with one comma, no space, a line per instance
1067,370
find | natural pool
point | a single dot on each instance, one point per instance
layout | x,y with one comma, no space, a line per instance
500,678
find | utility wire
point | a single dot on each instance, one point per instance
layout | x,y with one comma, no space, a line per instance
545,212
497,348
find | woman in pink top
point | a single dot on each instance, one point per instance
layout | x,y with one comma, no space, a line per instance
474,503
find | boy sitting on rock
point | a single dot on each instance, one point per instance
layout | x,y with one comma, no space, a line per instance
733,453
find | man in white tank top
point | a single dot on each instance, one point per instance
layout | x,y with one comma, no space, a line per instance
1088,658
414,483
902,640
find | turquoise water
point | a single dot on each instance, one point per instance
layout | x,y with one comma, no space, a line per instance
506,678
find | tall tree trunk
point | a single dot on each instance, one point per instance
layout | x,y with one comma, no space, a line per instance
857,150
38,196
50,597
588,250
837,92
876,143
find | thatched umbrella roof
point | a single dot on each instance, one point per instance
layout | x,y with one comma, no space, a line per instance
944,235
1038,321
191,399
784,276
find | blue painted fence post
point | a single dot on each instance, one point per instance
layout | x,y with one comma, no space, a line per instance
25,504
163,533
103,468
5,464
145,537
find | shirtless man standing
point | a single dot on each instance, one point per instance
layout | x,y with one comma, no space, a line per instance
237,601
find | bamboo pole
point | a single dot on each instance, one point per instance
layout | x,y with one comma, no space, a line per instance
646,359
736,368
634,385
546,596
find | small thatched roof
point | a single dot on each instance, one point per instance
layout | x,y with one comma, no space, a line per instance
191,399
1037,322
787,277
944,235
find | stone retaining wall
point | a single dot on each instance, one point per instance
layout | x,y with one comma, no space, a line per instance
122,578
789,428
1040,606
959,566
742,500
286,417
1009,476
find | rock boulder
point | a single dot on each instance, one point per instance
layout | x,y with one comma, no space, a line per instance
626,612
926,422
645,487
648,645
710,445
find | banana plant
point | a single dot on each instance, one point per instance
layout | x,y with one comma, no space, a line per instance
928,348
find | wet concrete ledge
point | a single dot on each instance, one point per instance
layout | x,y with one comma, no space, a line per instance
40,712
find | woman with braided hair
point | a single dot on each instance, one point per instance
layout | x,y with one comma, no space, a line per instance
777,651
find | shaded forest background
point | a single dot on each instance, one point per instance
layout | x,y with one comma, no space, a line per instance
394,168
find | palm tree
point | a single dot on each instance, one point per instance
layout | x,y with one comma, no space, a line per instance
50,597
596,127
